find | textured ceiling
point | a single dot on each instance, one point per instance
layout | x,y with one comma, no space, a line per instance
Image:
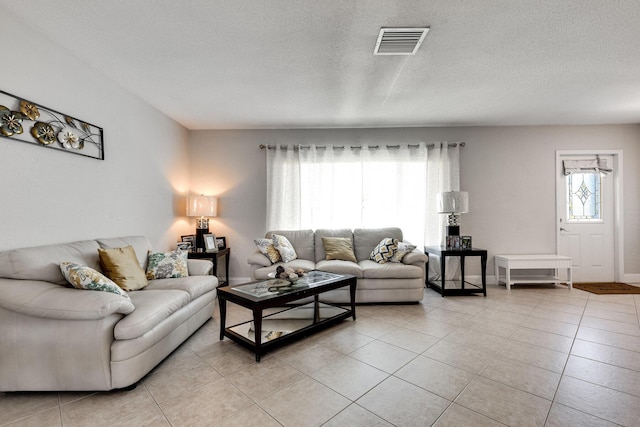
215,64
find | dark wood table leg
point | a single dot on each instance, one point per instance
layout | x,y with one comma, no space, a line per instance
352,292
316,310
226,265
443,272
462,271
222,303
257,331
483,265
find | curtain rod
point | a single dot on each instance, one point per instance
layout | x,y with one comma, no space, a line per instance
354,147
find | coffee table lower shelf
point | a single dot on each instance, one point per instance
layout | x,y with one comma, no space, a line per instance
286,326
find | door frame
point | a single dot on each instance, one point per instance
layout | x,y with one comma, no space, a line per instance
618,211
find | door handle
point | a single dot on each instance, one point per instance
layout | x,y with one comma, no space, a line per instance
563,229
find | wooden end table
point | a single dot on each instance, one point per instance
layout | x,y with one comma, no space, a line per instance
213,256
443,253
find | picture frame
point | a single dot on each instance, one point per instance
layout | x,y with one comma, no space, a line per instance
465,242
210,242
221,242
191,238
183,246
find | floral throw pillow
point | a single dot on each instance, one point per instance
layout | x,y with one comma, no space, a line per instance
284,246
167,265
83,277
403,249
384,251
266,247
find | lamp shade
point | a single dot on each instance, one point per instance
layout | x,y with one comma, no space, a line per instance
453,202
202,206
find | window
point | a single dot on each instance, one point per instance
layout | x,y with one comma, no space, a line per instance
584,194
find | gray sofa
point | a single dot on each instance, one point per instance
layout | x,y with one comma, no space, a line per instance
58,338
377,283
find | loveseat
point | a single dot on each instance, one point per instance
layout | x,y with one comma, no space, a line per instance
377,282
54,337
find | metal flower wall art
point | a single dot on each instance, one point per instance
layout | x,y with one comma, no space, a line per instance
26,121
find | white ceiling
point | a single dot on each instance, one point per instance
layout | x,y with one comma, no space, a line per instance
220,64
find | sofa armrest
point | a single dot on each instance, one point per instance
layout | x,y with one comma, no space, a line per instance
259,259
199,267
415,257
47,300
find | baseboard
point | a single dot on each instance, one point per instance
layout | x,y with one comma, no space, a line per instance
631,278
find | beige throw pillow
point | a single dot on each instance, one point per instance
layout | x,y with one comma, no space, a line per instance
403,249
340,248
121,265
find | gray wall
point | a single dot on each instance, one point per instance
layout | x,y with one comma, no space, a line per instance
508,171
48,196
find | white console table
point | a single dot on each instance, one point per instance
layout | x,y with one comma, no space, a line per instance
533,262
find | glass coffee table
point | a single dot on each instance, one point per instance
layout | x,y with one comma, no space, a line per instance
292,318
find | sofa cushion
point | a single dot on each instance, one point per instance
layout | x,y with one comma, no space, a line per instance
339,267
43,262
389,270
83,277
152,307
121,265
403,249
195,286
319,245
267,249
166,265
384,250
284,246
366,239
140,244
302,241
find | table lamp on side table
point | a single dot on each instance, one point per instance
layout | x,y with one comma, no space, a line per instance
203,207
453,203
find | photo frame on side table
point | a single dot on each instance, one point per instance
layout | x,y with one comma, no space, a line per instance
183,246
465,242
191,238
221,243
210,242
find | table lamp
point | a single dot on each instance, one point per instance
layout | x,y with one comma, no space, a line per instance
203,207
453,203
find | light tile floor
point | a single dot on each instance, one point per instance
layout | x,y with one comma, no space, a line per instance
532,356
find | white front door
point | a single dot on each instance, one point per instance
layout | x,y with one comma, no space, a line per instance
585,221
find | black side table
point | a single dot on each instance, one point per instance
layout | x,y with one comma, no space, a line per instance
443,253
213,256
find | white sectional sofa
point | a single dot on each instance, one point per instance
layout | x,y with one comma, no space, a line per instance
58,338
377,283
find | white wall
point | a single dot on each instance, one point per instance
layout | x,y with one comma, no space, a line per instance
508,171
48,196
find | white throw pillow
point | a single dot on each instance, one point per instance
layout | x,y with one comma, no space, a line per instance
403,249
83,277
284,246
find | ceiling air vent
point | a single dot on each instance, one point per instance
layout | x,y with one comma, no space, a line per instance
399,41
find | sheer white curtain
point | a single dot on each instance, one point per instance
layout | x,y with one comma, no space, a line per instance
373,186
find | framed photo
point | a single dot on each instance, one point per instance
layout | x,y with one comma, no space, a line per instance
221,242
465,242
209,242
190,238
183,246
